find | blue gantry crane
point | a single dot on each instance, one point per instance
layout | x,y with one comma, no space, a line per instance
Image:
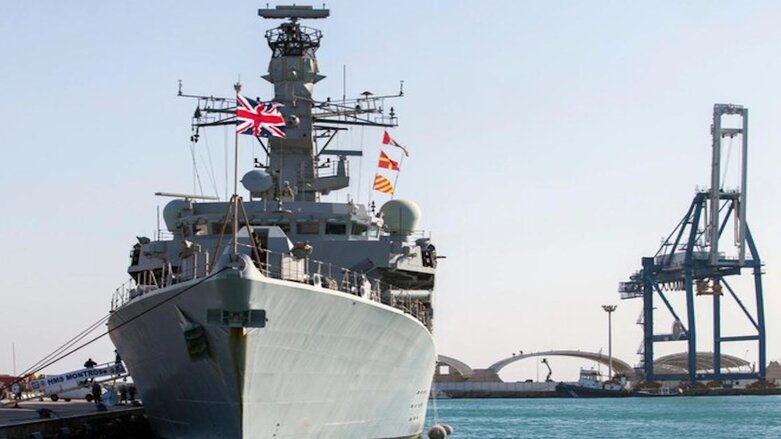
697,258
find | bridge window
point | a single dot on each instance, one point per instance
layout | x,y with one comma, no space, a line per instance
359,229
444,369
217,228
335,228
284,226
307,227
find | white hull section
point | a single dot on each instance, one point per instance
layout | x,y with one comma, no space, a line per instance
326,365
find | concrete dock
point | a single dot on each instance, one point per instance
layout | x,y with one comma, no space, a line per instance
75,419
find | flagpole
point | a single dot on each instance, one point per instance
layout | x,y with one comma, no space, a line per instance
371,192
396,180
360,165
237,87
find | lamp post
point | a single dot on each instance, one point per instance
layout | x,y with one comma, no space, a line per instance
609,309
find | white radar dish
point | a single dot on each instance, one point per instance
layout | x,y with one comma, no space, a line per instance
257,181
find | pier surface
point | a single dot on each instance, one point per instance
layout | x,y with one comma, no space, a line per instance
75,416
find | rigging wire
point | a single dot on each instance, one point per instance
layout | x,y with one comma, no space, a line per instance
33,370
210,163
433,395
196,174
360,164
75,339
396,180
225,144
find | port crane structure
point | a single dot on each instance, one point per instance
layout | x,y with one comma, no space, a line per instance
697,258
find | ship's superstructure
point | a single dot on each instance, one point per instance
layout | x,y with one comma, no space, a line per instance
317,321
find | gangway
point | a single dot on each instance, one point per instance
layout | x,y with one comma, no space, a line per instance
53,385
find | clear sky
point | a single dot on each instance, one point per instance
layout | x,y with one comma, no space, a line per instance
551,145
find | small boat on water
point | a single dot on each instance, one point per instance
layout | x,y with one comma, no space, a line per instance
589,385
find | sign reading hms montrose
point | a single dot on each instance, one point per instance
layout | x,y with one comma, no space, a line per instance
75,378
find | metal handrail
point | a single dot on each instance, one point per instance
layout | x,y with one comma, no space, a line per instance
282,266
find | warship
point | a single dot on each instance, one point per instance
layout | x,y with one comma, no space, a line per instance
283,315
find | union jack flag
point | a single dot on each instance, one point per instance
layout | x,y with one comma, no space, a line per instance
259,119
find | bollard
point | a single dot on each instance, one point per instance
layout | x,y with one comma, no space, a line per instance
437,432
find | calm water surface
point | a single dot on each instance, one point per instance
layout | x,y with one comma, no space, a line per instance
676,417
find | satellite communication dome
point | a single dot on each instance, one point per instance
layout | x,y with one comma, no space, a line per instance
257,181
400,216
171,213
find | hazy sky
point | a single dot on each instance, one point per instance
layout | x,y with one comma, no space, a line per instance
551,145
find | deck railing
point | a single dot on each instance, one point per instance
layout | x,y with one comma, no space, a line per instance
282,266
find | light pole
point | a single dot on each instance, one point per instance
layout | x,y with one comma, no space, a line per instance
609,309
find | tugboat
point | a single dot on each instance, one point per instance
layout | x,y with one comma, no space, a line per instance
283,315
590,386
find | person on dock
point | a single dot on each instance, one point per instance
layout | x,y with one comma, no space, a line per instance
96,392
16,389
122,394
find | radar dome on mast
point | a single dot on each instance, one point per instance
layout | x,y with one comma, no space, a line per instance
257,181
400,216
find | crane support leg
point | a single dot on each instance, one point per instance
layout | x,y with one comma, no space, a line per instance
692,324
648,318
717,336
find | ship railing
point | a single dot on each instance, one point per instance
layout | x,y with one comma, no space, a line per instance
128,291
414,235
341,279
404,301
329,169
332,169
287,267
122,294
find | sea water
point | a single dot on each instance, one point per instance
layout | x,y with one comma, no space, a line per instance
661,417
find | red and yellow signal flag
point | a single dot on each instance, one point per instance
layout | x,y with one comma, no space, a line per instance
382,184
387,163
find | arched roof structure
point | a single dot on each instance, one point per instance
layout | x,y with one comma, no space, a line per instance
619,366
679,363
668,364
459,366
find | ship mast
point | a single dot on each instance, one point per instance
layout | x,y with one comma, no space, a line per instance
293,70
294,162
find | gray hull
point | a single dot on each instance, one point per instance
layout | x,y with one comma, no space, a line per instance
325,365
